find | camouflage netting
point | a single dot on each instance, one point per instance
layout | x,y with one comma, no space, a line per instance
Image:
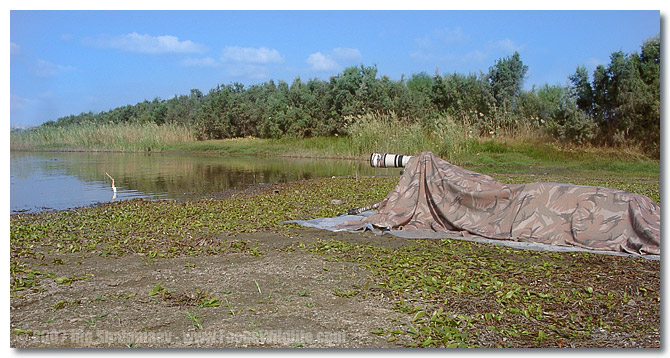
436,195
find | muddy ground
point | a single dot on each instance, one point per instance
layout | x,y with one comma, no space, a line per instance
278,292
281,298
293,287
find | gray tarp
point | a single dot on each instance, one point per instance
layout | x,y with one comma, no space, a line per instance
333,224
437,199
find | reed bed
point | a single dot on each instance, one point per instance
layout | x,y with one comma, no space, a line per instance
374,133
102,137
451,140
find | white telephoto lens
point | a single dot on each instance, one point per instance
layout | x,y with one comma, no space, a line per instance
385,160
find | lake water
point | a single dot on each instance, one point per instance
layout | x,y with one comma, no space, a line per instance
54,180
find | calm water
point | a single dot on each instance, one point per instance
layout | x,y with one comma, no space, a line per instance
44,181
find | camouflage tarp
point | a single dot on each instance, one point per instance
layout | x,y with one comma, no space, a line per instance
436,195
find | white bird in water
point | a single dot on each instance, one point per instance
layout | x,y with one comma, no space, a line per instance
113,187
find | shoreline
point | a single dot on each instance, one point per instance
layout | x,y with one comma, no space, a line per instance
493,153
213,153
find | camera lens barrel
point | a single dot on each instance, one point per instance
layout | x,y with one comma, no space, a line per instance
385,160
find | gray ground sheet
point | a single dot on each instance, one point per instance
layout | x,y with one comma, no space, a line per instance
331,224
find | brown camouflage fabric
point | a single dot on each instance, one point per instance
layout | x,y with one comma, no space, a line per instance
436,195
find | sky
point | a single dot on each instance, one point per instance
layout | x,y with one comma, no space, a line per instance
67,62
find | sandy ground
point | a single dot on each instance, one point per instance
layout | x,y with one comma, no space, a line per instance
281,298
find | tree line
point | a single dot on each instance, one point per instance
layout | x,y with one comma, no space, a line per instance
618,104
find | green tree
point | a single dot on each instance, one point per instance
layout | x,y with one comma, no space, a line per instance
506,79
645,109
420,83
564,119
581,89
160,112
624,97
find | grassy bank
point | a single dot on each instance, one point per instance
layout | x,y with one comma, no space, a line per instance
129,137
485,154
453,142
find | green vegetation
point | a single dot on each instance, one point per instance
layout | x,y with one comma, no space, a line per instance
196,320
461,294
368,135
159,289
162,229
453,293
168,229
618,107
485,154
88,136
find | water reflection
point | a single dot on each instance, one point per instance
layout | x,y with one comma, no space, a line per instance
63,180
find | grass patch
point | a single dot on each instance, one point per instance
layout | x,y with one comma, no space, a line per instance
449,140
168,228
131,137
535,154
196,320
171,228
499,155
453,293
464,294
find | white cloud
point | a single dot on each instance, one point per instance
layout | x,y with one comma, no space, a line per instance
449,35
146,44
251,55
440,37
248,71
27,111
446,46
420,55
333,60
453,47
47,69
476,56
14,49
18,103
347,54
507,45
200,62
250,62
321,62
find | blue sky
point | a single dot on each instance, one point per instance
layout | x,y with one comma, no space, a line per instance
68,62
